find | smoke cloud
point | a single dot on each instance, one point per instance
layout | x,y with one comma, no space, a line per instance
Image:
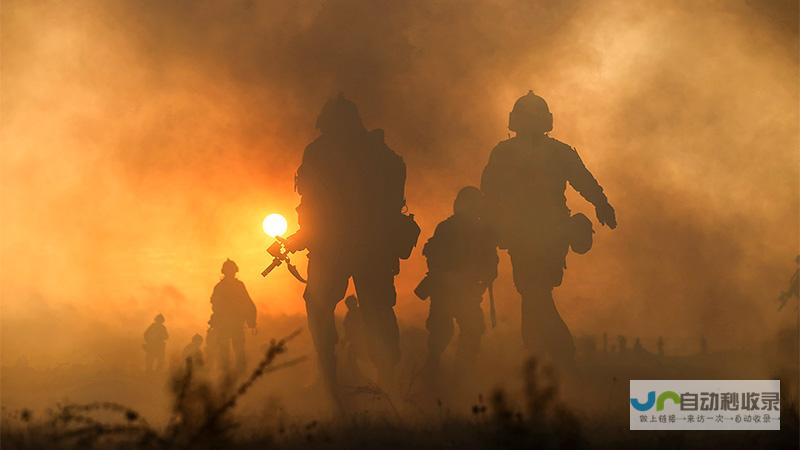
143,142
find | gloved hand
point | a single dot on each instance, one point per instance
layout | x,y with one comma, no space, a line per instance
295,243
606,215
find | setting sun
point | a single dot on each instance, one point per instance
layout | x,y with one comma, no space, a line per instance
274,225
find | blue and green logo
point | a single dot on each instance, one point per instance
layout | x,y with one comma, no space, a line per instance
658,402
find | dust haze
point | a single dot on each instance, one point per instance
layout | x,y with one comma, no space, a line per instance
143,142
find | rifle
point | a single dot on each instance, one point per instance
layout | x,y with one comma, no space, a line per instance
280,255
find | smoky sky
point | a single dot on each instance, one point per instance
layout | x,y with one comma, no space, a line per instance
144,141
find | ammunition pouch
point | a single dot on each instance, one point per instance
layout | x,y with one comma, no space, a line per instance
580,233
423,289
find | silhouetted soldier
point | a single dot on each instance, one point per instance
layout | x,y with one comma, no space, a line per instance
355,341
352,196
231,308
462,262
660,346
155,342
524,184
622,344
637,346
194,351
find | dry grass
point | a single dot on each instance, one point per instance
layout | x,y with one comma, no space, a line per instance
201,417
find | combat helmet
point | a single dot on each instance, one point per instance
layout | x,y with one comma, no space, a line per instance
229,267
530,114
339,115
468,201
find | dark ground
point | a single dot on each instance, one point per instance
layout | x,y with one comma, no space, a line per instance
588,409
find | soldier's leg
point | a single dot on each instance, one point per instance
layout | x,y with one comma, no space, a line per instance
148,362
237,342
543,330
471,327
327,283
377,297
440,330
551,331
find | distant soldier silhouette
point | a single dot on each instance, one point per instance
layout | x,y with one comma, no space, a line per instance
524,183
232,309
462,262
155,342
355,340
622,344
660,346
194,351
637,346
350,215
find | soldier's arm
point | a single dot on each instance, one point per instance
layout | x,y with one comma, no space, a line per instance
488,257
305,175
433,250
393,191
492,188
493,260
584,182
490,178
398,194
214,299
304,184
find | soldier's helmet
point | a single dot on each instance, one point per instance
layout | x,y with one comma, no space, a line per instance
159,318
339,116
229,267
351,301
469,202
530,115
197,339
